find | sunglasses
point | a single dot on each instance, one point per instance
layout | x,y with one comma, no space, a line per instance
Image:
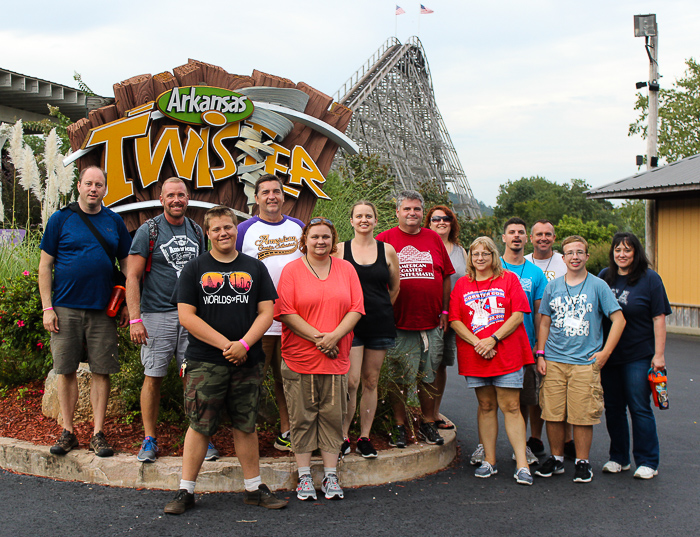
212,282
320,220
441,219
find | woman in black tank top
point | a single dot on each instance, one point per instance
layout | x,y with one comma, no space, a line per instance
377,266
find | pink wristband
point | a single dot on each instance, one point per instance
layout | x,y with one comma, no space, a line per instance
244,344
47,309
135,321
445,312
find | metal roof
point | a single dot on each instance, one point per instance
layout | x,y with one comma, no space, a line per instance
680,176
31,94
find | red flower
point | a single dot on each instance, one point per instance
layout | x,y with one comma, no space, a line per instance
20,323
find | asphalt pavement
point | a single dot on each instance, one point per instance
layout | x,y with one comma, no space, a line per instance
451,502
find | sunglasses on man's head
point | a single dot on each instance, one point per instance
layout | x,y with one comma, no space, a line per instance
441,219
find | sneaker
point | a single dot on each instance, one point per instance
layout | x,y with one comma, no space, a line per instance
612,467
570,450
345,448
331,488
65,443
550,467
523,476
531,459
430,433
478,456
98,444
398,437
264,498
305,488
583,474
644,472
283,442
212,453
182,502
536,446
485,470
365,448
148,450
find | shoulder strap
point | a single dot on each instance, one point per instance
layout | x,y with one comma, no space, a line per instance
198,233
152,238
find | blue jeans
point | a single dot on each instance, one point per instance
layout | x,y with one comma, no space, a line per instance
626,386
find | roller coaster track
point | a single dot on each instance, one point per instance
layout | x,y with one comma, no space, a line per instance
395,116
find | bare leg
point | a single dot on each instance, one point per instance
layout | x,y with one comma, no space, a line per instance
583,438
371,367
356,354
247,452
487,417
426,396
193,454
399,397
150,404
509,403
99,396
555,436
536,421
329,459
304,459
569,432
440,382
282,406
68,398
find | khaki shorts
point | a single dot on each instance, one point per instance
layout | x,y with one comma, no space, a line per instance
81,331
166,338
529,396
572,393
272,347
317,405
417,356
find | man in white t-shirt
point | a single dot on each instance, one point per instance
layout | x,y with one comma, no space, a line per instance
542,236
273,238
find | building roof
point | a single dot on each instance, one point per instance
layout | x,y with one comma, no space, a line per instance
680,176
25,93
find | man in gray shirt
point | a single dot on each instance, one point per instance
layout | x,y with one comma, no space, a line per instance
160,249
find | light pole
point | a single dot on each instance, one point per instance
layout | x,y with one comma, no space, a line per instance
645,26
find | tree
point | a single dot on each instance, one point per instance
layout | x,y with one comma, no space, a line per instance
679,116
589,230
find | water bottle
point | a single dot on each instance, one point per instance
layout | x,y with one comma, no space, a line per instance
659,390
115,301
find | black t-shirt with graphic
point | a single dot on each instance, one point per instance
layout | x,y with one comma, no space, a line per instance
226,296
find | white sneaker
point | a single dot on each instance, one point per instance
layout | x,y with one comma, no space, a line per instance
331,488
305,488
612,467
478,456
644,472
531,457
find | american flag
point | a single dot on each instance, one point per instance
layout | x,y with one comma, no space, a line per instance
425,11
399,10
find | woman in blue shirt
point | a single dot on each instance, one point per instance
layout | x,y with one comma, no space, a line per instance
641,294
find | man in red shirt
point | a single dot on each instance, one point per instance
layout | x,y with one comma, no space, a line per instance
420,312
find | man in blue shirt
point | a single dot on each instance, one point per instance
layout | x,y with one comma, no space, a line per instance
570,354
74,302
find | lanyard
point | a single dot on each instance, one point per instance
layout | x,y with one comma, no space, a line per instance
579,292
508,265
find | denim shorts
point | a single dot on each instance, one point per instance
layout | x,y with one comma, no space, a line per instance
374,343
509,380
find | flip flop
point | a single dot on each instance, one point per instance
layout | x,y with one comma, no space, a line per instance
444,423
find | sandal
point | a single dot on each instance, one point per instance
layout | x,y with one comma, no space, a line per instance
444,423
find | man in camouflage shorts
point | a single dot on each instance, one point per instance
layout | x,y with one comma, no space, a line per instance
225,301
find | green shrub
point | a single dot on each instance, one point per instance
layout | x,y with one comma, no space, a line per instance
598,259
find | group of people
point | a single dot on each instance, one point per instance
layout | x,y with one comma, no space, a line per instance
275,293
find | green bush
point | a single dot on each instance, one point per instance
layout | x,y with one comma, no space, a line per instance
25,342
598,259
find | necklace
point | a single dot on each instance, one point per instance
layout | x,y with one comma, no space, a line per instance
330,267
508,265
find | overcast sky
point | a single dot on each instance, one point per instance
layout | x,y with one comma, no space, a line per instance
538,88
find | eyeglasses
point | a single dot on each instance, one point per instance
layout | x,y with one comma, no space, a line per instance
441,219
577,253
482,254
212,282
320,220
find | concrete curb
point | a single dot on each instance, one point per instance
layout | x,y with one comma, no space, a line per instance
224,475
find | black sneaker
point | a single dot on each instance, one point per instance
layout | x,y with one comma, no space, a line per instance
264,498
65,443
430,433
536,446
182,502
398,437
98,444
570,450
283,443
583,474
550,467
365,448
345,448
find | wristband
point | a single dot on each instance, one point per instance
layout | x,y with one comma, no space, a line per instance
495,337
47,309
135,321
445,312
539,353
245,345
